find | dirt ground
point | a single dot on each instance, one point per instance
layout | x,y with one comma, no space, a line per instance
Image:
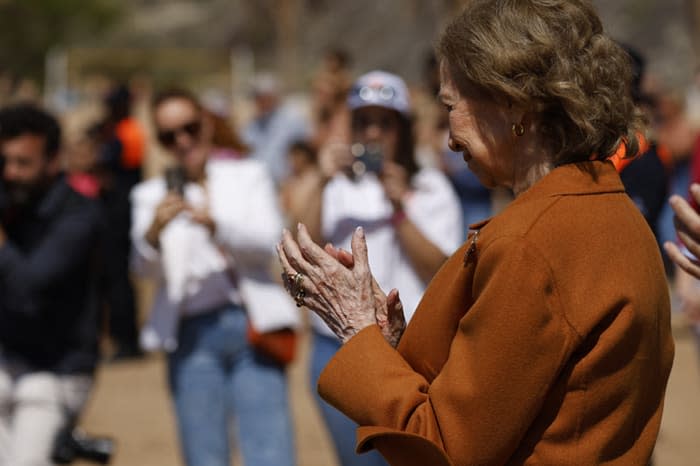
132,405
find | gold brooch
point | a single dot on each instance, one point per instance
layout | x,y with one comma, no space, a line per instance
470,254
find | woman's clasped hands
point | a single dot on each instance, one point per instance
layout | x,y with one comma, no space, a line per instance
338,286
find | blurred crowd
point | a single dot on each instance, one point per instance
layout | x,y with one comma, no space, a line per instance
167,187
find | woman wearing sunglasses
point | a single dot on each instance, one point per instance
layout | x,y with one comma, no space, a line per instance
205,234
411,216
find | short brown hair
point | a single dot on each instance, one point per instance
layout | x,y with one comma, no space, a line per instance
550,56
175,93
224,136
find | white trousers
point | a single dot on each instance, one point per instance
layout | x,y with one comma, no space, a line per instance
34,406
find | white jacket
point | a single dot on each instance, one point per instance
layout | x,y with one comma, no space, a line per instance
190,270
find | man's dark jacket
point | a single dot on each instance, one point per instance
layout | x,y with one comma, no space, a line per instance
48,281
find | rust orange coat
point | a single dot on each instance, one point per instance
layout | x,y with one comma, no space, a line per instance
548,344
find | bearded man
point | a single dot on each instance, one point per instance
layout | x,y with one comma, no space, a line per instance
49,242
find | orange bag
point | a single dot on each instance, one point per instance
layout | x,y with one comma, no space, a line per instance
279,345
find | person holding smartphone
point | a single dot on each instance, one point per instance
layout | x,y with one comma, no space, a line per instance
411,215
205,233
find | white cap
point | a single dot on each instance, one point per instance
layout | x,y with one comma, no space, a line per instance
381,89
265,84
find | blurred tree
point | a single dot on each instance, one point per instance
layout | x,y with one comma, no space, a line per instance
694,26
286,15
30,28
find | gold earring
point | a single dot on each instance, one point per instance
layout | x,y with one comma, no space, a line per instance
518,129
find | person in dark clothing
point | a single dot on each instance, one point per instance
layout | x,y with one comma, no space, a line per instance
49,258
646,182
122,146
646,176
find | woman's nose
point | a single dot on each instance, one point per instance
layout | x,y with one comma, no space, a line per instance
184,140
373,132
454,145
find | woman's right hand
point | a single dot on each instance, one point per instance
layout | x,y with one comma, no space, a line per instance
335,157
167,210
687,289
687,223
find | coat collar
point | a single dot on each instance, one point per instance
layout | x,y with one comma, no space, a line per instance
596,177
574,179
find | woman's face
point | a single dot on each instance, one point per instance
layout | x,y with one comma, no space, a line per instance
480,128
299,161
377,125
184,132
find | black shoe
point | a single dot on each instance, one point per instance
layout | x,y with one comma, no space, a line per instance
73,444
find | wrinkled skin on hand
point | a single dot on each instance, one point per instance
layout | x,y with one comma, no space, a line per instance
389,310
339,287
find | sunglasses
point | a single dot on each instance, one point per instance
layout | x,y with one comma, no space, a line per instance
169,137
385,122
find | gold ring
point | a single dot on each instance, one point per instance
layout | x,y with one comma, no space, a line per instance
299,292
297,280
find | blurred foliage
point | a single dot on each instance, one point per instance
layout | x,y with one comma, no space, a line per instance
30,28
163,66
290,36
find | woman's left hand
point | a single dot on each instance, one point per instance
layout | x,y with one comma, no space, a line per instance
394,179
343,297
389,309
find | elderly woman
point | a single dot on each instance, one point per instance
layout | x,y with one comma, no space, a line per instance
410,213
545,339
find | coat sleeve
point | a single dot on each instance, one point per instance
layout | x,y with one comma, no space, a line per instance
508,350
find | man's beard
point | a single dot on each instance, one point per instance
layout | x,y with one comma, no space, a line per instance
22,195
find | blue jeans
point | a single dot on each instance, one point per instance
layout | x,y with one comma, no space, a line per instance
679,182
341,427
215,377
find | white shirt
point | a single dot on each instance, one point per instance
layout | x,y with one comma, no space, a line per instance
191,268
432,206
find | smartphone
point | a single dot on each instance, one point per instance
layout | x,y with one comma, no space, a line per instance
368,159
175,180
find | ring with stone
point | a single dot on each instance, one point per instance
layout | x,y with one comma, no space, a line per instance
298,278
299,297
